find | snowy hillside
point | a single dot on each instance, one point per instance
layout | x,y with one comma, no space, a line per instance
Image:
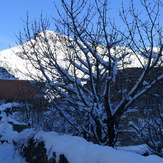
4,74
12,60
12,63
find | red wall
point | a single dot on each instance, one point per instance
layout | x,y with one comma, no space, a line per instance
17,89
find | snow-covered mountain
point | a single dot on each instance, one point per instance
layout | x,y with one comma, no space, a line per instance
4,74
12,63
11,59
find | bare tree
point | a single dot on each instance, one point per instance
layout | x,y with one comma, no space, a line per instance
84,63
149,129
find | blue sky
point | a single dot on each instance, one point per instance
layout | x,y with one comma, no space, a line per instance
12,12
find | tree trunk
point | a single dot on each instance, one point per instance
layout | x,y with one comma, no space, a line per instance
111,131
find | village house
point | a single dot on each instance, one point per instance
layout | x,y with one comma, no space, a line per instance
13,89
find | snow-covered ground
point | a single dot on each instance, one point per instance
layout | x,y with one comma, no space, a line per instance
75,149
8,154
78,150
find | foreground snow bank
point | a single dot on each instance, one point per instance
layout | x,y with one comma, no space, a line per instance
10,155
78,150
139,149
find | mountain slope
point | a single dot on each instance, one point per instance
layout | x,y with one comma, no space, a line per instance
4,74
21,68
12,63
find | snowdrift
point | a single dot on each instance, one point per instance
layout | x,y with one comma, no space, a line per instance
78,150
